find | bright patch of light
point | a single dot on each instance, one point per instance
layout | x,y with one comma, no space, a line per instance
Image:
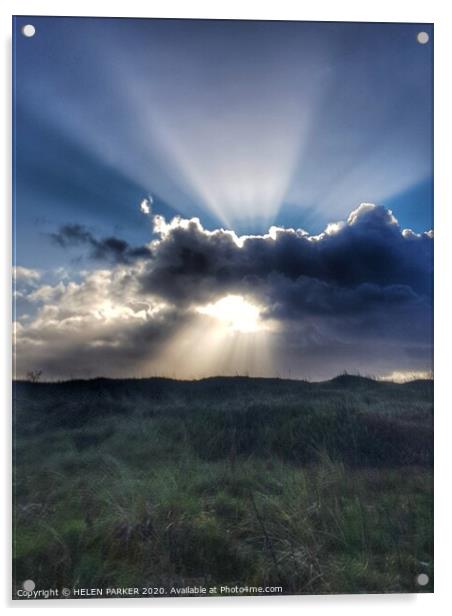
235,313
225,350
334,227
406,376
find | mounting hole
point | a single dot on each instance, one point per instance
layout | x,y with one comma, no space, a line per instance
423,38
29,585
422,579
28,30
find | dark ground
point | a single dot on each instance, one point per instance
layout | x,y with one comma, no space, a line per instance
317,487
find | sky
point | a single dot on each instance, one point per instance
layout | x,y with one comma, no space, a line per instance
258,195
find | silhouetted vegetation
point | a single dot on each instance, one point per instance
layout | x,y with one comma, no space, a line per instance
320,487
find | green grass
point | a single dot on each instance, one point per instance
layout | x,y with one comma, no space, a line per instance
318,487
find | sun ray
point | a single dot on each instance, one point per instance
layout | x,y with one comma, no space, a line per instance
227,337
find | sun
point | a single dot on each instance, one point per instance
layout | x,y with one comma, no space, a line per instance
235,313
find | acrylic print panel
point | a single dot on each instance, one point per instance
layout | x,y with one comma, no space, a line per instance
223,308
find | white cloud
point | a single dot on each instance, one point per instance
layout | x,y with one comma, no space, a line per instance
370,208
78,324
25,273
146,206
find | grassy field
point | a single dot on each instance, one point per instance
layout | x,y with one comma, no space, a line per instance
315,487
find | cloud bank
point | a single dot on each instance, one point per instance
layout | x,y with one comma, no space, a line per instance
356,297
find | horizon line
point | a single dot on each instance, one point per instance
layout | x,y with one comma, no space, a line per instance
375,379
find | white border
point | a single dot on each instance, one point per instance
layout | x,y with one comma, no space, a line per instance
436,11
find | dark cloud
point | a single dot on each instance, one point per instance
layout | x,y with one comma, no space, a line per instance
357,297
367,253
112,249
310,296
359,282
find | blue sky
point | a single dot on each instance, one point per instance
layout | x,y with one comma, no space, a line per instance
289,142
244,124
